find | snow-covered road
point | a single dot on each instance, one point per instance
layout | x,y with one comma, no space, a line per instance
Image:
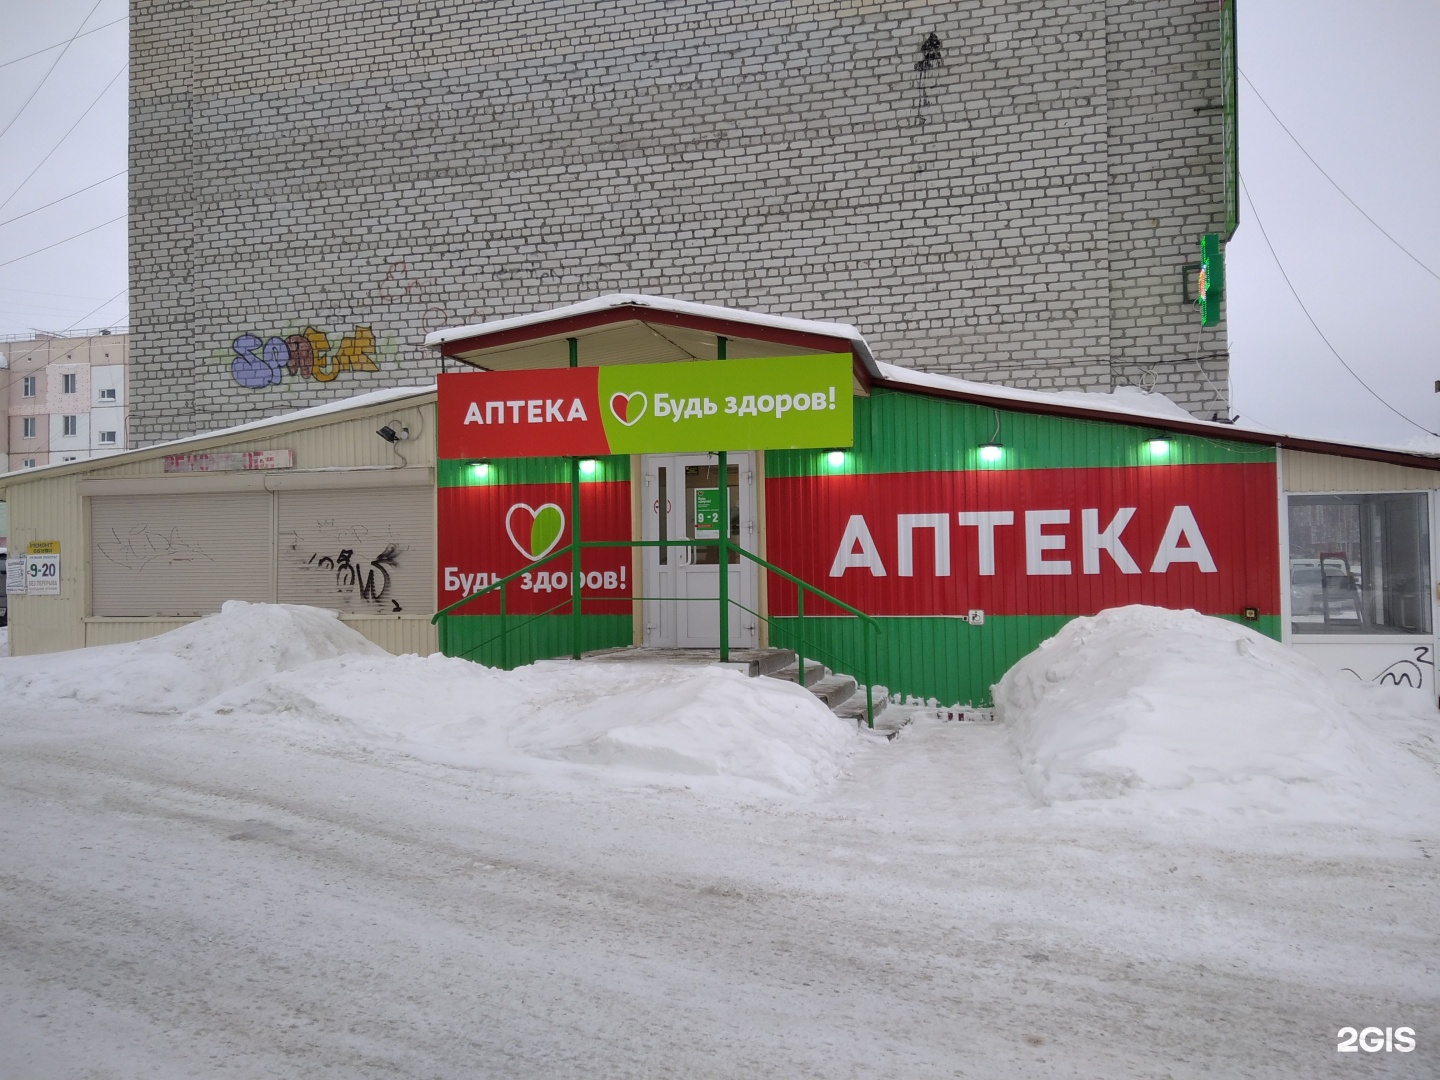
187,899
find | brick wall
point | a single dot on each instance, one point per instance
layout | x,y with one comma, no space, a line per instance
350,175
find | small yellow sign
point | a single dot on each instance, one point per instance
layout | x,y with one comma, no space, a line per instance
43,547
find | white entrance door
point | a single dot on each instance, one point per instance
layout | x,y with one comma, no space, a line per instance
678,493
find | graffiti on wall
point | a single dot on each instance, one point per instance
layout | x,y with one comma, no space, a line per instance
354,565
1406,672
260,362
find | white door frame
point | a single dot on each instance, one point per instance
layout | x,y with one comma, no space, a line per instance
670,621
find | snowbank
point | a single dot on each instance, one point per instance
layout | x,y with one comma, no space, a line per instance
303,670
705,727
1142,708
185,667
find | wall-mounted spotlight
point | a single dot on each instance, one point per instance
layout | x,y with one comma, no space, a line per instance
587,467
835,458
991,451
479,470
393,432
1159,446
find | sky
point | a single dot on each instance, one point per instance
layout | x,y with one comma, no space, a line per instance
1355,84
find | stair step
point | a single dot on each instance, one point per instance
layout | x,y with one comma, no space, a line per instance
814,672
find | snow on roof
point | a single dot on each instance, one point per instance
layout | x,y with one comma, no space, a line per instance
659,303
1130,400
359,401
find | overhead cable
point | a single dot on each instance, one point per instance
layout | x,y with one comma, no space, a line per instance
51,69
68,131
77,37
1415,258
1280,266
67,239
62,198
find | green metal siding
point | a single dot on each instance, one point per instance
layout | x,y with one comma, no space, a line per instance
530,637
900,432
528,471
945,659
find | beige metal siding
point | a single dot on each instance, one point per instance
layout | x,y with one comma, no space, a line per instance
49,509
179,554
397,634
121,631
368,551
1323,472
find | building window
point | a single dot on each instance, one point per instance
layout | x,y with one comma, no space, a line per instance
67,383
27,386
69,425
70,458
28,463
107,436
1360,564
27,427
108,394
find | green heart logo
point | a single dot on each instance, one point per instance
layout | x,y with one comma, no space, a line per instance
547,522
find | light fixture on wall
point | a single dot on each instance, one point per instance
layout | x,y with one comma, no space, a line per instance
479,470
835,458
587,467
991,450
1159,446
393,432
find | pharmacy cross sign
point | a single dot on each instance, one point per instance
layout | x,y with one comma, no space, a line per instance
776,403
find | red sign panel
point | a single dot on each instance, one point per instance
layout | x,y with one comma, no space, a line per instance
549,413
487,532
1032,542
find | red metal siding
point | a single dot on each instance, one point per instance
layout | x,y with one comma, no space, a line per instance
1233,508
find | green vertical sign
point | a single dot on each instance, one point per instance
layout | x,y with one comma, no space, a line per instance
707,510
1212,279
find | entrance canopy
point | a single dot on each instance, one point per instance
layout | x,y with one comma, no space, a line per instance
629,328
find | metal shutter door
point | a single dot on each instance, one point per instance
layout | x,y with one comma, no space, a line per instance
178,554
363,551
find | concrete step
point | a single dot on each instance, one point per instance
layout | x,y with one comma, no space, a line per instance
814,672
751,662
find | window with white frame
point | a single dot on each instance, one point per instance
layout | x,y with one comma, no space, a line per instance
27,386
1360,564
69,425
107,436
28,463
27,427
67,383
107,394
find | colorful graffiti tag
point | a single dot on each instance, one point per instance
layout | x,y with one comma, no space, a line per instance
261,362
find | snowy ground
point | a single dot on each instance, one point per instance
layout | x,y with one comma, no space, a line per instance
301,859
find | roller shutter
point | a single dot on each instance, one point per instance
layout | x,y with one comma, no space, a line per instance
178,554
359,551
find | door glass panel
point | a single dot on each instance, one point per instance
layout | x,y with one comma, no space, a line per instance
701,489
662,511
1360,564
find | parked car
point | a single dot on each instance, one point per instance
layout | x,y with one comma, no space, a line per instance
1325,590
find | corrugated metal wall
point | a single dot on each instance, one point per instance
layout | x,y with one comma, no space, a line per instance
49,506
1321,472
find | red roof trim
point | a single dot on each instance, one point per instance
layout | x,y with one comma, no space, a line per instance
1162,423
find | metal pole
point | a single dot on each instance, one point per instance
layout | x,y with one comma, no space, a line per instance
577,576
800,636
724,460
724,556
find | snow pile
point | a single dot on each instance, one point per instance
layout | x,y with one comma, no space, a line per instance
188,666
303,670
707,727
1148,708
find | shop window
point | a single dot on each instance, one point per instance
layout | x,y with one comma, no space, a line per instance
1360,564
67,383
107,436
69,425
27,428
27,386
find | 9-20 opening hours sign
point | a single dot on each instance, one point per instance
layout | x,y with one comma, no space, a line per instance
776,403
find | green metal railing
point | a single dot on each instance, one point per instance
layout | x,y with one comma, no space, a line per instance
865,667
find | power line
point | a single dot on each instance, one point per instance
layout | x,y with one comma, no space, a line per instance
67,239
72,127
1415,258
62,198
102,307
51,70
1266,236
77,37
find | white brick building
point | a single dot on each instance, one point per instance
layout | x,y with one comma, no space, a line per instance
315,185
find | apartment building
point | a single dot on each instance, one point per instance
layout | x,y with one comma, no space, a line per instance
66,398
